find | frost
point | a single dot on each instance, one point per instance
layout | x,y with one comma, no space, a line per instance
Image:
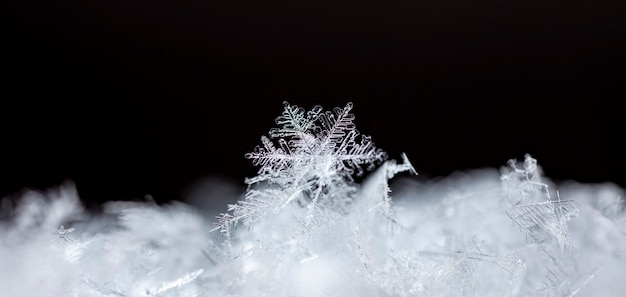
311,230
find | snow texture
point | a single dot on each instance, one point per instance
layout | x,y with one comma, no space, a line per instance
311,230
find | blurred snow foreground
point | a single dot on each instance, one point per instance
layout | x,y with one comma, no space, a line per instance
308,229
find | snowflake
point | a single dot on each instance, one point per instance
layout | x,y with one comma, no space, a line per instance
545,220
534,210
312,163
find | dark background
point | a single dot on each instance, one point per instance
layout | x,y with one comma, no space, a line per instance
128,98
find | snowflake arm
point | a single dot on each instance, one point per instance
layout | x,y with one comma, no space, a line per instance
545,220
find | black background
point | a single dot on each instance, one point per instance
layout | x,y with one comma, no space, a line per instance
128,98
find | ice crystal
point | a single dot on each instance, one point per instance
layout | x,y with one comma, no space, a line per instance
545,220
522,182
535,212
313,165
314,231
